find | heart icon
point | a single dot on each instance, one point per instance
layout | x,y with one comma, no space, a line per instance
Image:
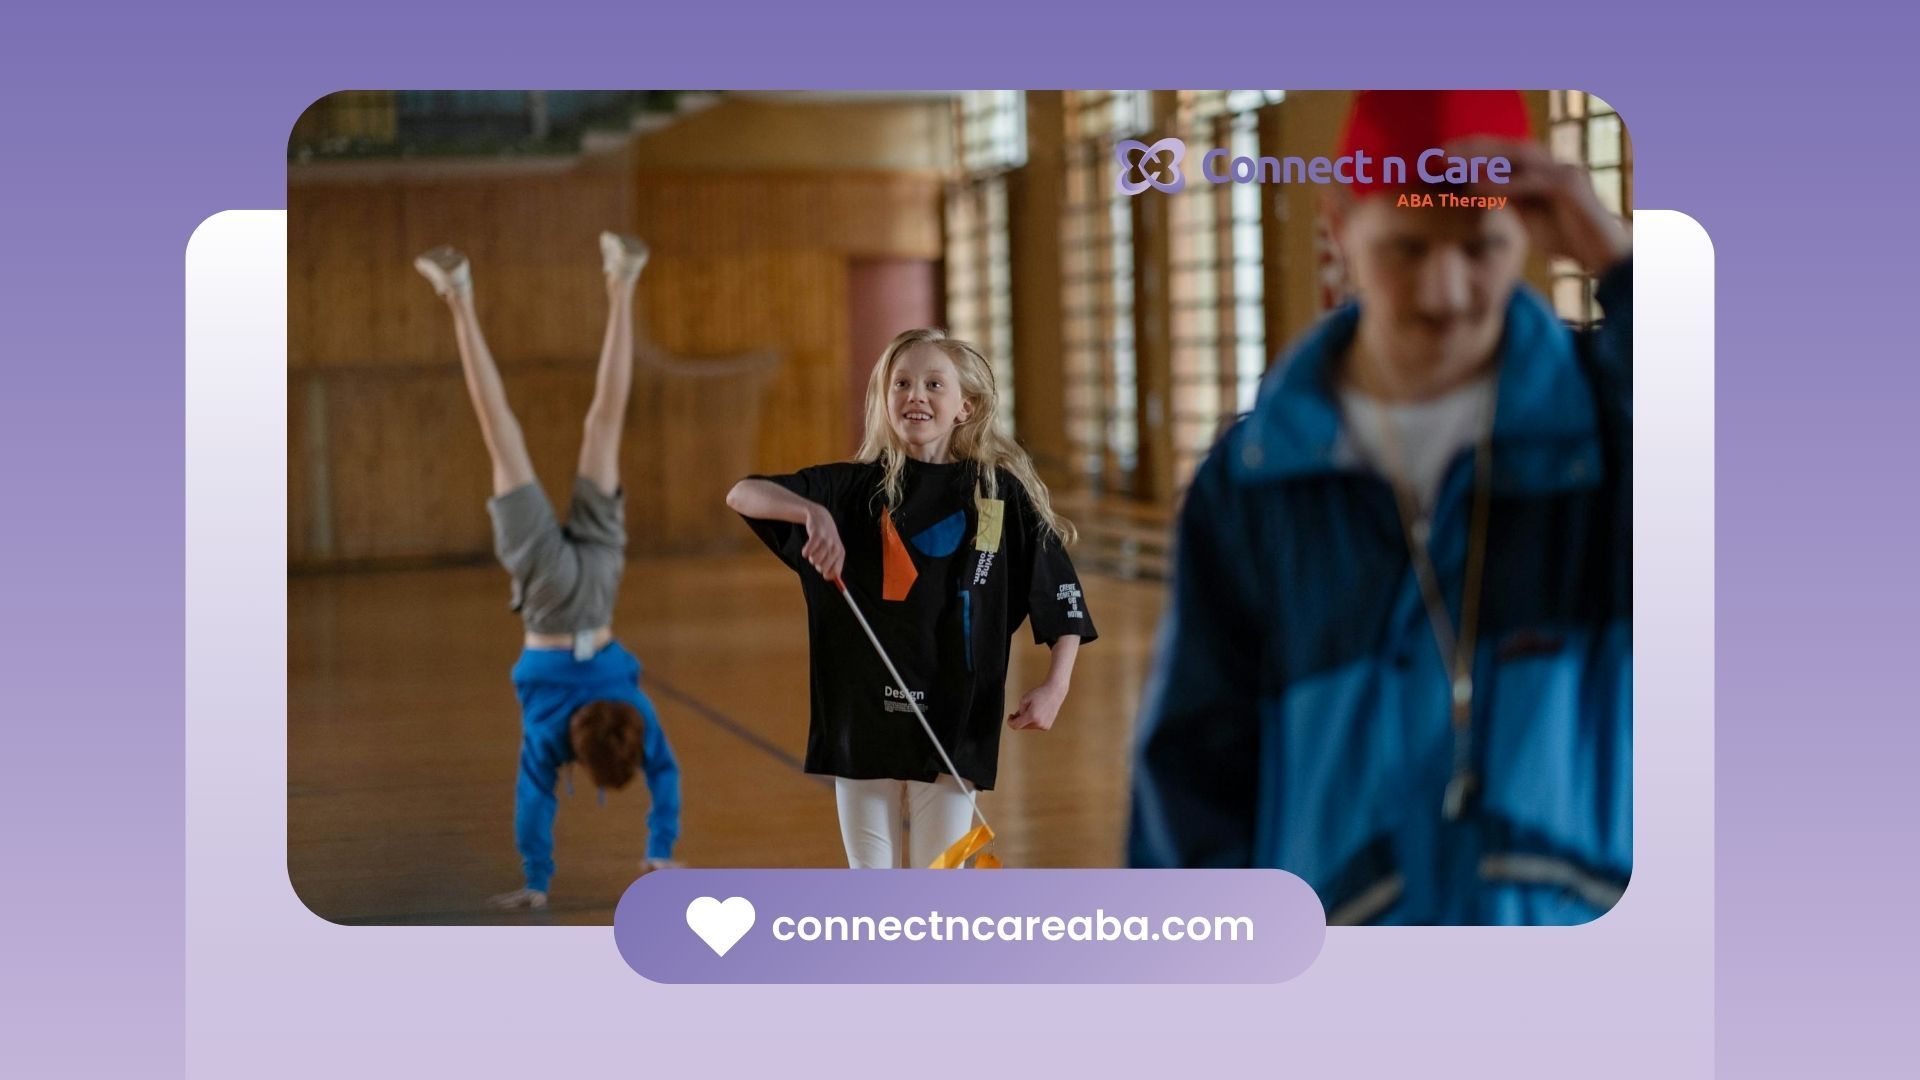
721,924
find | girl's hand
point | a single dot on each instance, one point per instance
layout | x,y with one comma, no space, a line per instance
823,548
520,900
1038,708
648,866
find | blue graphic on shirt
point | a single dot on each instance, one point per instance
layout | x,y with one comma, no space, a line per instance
966,623
942,539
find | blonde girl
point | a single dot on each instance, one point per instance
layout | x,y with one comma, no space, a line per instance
947,538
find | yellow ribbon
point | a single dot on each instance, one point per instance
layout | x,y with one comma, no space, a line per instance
955,857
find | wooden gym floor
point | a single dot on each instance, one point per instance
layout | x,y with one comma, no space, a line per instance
403,735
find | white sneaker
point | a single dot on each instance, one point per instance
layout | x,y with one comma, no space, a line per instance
447,269
623,256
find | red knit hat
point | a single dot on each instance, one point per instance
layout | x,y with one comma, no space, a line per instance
1405,123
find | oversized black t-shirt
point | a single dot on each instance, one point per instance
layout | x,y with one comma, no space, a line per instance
945,579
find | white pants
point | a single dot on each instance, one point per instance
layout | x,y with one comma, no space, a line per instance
873,824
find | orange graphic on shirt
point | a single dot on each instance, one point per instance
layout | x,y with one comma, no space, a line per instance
897,573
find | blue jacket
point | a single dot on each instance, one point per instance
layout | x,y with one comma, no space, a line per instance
552,686
1297,712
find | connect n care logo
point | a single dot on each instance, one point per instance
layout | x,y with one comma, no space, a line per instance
1157,166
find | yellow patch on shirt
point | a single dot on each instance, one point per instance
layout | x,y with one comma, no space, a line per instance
993,512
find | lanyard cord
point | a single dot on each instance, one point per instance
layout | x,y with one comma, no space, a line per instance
1455,651
972,801
906,693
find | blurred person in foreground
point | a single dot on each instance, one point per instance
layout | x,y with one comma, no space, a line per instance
1397,657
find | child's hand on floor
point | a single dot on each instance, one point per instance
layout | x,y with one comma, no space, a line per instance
648,866
520,900
823,548
1038,708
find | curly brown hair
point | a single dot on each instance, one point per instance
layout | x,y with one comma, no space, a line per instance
608,738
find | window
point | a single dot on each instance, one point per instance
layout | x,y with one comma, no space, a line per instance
1097,283
991,129
1215,281
979,278
1586,131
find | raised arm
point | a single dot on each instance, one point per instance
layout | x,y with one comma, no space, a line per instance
1566,220
1557,202
756,498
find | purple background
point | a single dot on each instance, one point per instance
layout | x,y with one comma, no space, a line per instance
1288,928
125,128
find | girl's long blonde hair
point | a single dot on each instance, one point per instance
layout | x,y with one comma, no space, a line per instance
977,441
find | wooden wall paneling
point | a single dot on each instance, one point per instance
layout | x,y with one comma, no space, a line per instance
910,224
410,474
300,525
739,269
407,470
303,219
524,289
567,314
403,310
859,214
340,327
421,331
704,454
457,212
792,303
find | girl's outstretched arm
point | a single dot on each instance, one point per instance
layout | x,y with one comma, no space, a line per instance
757,498
1040,706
